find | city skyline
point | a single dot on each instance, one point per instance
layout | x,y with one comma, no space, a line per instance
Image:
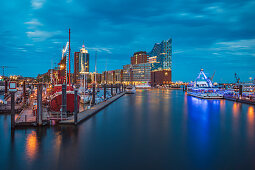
217,36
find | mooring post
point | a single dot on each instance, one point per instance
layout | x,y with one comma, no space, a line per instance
116,89
39,105
6,87
104,91
12,110
93,94
64,102
24,91
112,90
75,106
240,90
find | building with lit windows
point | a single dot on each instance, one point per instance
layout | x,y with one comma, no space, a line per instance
81,64
139,57
137,73
83,60
160,58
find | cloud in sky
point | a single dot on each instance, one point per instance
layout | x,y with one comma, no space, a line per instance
217,35
37,4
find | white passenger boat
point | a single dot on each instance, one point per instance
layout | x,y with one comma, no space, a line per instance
203,88
130,90
205,93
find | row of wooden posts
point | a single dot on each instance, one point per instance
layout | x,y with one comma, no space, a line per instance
118,88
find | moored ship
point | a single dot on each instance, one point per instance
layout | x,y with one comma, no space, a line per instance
56,98
60,78
203,88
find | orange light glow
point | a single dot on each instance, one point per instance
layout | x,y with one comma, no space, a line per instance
251,115
31,145
235,109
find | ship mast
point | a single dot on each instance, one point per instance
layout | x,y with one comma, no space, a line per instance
96,69
69,58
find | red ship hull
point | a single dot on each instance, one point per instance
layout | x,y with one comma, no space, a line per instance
56,101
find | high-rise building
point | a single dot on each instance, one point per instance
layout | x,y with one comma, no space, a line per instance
160,58
83,60
139,57
76,67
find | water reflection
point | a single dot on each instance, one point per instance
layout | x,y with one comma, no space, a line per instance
236,109
250,118
154,125
31,146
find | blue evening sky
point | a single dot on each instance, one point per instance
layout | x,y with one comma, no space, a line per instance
216,35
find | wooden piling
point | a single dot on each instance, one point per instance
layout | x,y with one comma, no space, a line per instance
93,95
104,91
6,87
75,106
112,89
240,90
64,102
24,92
12,110
39,105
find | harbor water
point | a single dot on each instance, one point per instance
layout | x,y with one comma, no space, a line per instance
152,129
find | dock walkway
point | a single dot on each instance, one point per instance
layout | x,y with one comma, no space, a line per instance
240,100
90,112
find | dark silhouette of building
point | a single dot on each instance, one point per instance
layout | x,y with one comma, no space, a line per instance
76,67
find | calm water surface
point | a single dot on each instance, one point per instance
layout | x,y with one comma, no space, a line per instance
154,129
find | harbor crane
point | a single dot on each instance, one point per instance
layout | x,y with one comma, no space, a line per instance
237,78
211,78
5,67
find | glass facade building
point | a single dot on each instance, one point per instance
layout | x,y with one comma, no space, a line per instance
160,56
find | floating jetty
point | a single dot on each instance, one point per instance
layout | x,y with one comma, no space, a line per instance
241,100
90,112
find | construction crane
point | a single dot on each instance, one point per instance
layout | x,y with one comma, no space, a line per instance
5,67
237,78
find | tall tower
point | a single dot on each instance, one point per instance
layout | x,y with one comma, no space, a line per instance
83,60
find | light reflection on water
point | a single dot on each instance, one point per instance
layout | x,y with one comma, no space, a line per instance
250,118
31,146
153,129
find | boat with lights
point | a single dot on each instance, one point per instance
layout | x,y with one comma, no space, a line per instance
62,76
203,88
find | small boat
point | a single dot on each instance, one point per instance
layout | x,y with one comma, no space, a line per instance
130,90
